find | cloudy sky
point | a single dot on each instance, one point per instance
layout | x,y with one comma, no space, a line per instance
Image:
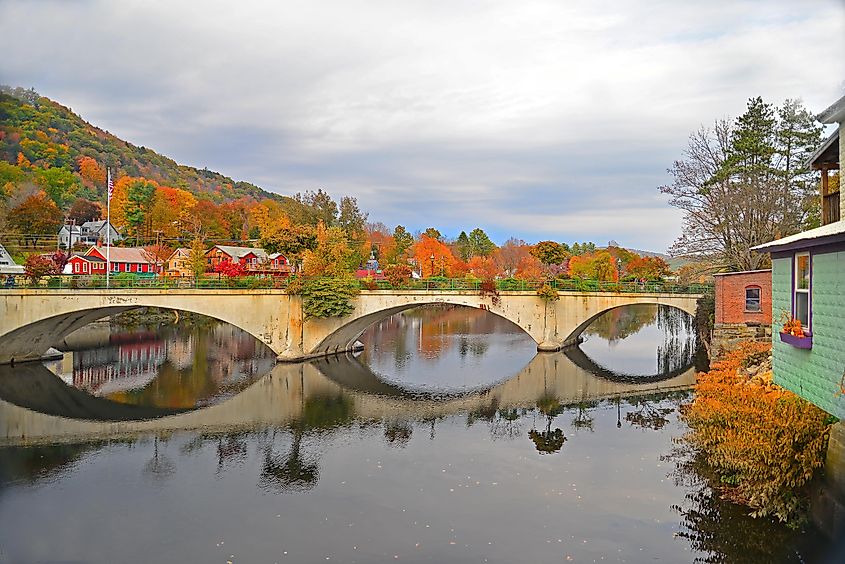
539,119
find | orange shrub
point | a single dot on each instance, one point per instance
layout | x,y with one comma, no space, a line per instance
762,441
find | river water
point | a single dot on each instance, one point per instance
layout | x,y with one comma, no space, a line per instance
448,439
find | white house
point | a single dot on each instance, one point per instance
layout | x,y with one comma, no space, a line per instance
7,263
89,233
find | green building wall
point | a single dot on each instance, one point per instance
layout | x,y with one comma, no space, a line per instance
815,374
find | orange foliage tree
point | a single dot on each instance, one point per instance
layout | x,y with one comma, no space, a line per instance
93,175
647,267
433,257
483,267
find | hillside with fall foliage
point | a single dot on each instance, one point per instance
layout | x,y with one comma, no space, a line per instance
42,133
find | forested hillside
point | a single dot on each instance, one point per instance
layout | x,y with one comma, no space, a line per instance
48,134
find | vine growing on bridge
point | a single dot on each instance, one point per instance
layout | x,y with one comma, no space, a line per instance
328,297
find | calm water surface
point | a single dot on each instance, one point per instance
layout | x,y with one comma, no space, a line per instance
447,440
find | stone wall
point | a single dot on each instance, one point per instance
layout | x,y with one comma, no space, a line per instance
728,336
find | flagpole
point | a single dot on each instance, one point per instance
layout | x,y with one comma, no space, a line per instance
108,227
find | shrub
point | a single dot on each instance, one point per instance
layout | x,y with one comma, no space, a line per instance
329,297
369,283
763,442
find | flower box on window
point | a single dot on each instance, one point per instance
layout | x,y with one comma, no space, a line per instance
802,342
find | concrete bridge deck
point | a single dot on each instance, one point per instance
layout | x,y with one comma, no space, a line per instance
33,320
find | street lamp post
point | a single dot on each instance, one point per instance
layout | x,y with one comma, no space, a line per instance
432,264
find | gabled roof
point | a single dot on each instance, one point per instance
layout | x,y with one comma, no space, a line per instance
181,251
89,258
835,113
239,252
826,154
125,254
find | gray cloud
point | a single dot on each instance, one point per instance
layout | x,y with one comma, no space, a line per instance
537,119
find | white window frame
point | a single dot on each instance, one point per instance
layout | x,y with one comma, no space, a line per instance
807,290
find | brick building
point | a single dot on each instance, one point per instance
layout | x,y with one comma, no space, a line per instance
743,309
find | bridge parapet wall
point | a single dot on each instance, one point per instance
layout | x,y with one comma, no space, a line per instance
31,321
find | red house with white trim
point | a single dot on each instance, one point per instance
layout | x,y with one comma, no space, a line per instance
122,259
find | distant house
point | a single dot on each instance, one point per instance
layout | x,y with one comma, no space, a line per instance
254,260
743,309
88,233
178,264
122,259
8,264
808,284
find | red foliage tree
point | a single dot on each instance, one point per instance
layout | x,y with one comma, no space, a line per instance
230,269
36,267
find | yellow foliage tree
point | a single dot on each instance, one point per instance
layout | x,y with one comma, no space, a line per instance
172,211
332,255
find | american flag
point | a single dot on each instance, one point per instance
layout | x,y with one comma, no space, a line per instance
111,186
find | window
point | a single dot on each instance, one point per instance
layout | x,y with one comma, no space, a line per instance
752,299
801,295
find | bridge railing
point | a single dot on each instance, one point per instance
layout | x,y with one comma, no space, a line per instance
430,284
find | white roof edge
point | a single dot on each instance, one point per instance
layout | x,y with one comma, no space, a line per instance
742,272
835,228
835,113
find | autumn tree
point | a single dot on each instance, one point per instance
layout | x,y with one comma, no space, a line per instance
196,258
171,210
36,215
650,268
382,243
292,242
742,184
599,266
332,255
92,174
83,210
230,269
483,267
550,252
433,257
35,267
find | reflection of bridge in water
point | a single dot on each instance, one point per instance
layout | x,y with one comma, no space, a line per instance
37,407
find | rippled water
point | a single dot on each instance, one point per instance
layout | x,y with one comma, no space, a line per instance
446,440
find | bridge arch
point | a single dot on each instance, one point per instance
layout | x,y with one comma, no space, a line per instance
574,333
38,320
344,337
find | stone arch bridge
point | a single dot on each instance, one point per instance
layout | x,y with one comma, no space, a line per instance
32,321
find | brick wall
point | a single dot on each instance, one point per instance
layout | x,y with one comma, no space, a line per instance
730,297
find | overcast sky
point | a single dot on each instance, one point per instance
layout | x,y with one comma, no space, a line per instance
534,119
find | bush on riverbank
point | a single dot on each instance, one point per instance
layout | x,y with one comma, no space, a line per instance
763,442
